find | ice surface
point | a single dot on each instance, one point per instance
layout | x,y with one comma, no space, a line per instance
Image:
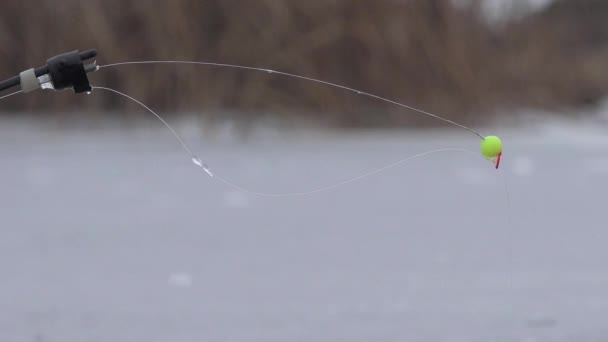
111,235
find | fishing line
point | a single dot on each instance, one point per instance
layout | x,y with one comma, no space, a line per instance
198,162
309,79
491,146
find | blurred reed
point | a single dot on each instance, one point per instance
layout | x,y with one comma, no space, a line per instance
427,53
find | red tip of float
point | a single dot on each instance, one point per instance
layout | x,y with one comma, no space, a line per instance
498,160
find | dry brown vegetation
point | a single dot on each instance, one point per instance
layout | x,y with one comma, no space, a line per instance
426,53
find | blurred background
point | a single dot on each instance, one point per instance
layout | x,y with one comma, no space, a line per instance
109,233
469,59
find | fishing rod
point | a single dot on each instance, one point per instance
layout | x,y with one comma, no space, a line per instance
65,71
70,71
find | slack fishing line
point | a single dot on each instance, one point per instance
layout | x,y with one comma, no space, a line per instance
70,70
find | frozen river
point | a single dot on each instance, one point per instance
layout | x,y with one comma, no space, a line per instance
113,235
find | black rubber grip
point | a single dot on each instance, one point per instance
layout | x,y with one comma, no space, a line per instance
88,55
16,81
67,71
